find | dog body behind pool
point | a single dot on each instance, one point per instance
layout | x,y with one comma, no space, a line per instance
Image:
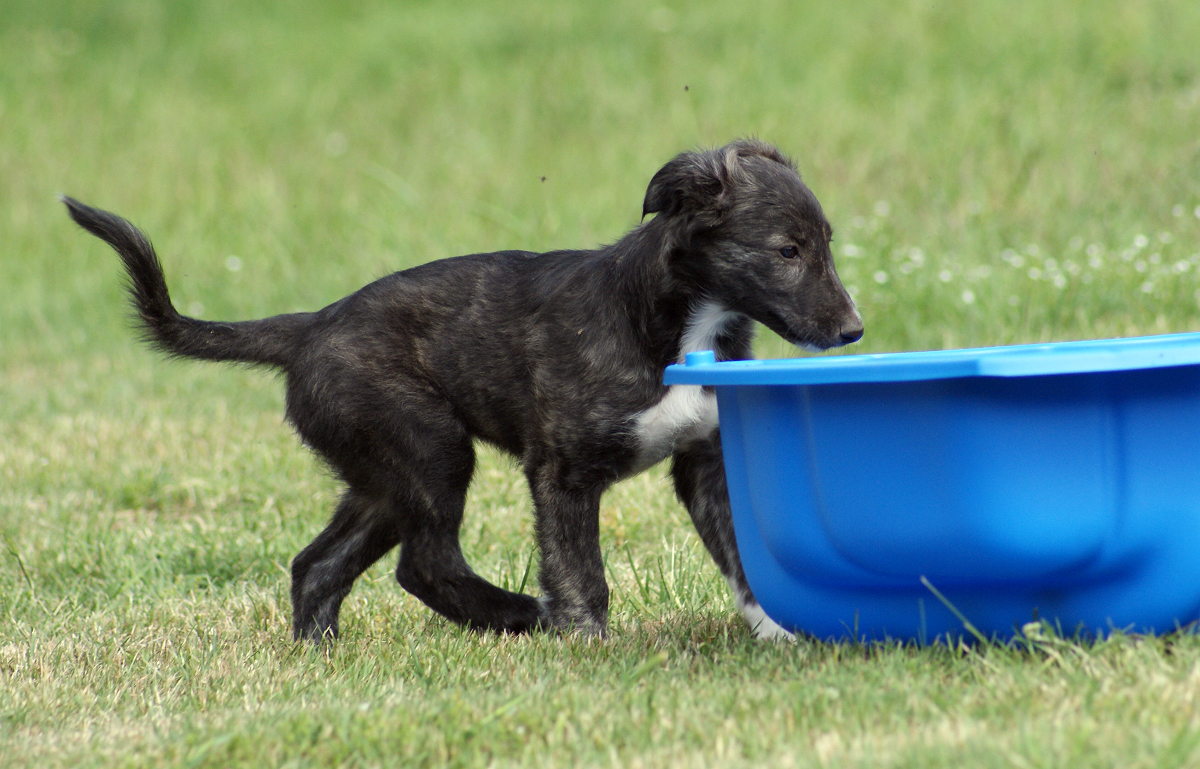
556,358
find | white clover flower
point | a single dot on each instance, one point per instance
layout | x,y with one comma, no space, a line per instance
336,144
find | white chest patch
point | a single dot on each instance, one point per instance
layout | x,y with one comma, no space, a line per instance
686,412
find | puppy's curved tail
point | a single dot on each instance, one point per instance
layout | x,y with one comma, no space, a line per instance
268,342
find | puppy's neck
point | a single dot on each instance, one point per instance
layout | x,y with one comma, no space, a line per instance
673,315
708,321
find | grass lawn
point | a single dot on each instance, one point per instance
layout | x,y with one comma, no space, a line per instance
996,172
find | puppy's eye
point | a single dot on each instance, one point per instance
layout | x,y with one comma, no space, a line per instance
789,252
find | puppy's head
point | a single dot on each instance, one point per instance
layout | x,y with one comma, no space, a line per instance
745,231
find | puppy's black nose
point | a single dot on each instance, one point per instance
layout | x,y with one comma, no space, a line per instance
852,334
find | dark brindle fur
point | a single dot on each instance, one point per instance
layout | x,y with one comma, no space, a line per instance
556,358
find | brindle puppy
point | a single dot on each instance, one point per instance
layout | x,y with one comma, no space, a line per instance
556,358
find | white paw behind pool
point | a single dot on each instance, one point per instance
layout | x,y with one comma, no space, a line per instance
763,627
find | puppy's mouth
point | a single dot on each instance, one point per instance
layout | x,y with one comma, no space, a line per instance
819,342
812,347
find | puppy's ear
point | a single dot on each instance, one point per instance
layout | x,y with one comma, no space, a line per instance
700,184
692,183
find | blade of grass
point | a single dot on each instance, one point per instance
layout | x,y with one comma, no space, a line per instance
974,631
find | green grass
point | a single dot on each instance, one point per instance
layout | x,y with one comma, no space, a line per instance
997,173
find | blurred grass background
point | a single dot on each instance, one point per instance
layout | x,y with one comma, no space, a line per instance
997,173
326,145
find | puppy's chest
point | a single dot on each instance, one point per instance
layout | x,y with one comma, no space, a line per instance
686,413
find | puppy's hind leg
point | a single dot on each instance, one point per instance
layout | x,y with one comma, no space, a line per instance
699,475
433,569
432,566
359,534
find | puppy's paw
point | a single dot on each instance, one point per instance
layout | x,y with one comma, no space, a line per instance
560,619
763,627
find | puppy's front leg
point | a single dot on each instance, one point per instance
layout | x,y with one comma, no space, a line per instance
568,533
699,474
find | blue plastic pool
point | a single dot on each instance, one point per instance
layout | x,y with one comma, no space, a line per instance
1055,481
